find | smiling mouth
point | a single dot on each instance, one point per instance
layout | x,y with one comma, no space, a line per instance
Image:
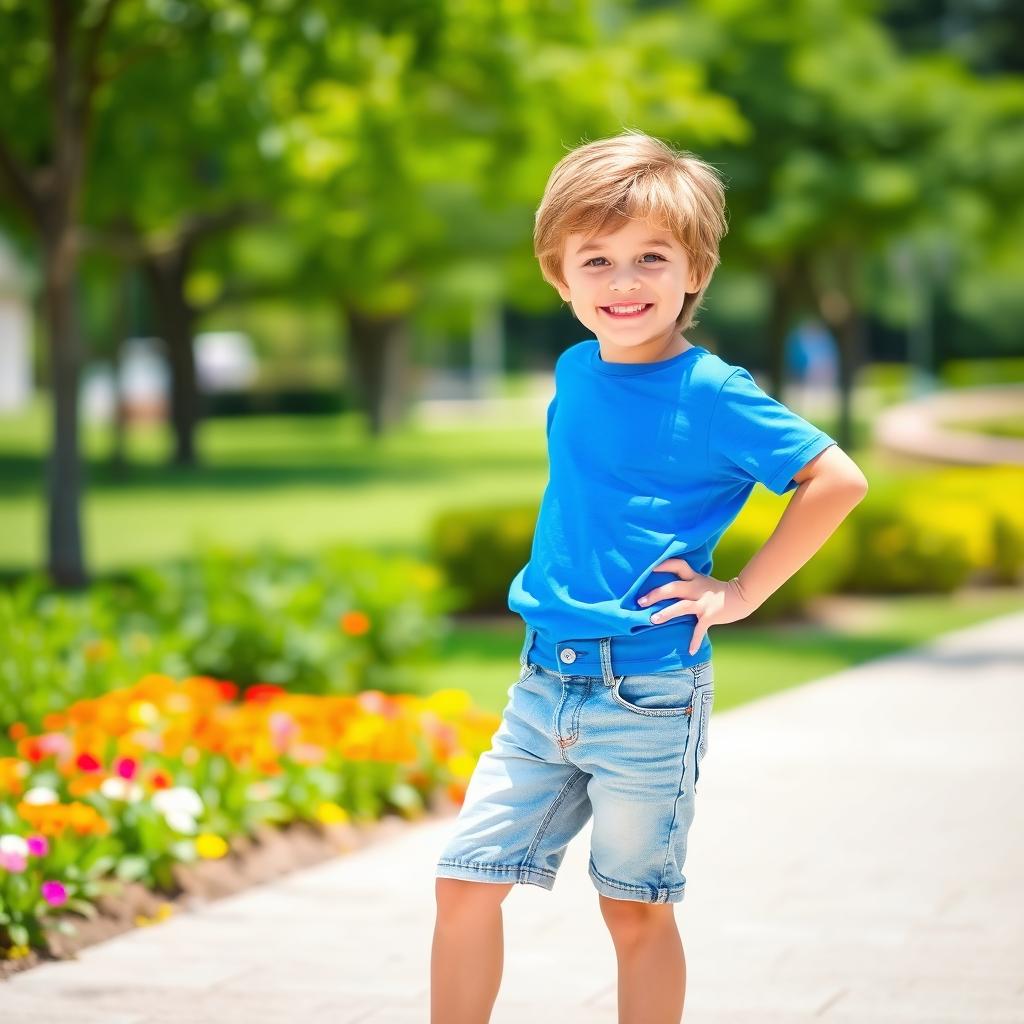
635,310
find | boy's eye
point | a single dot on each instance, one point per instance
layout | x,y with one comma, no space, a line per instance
645,255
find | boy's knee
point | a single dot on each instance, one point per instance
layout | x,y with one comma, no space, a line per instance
460,896
628,919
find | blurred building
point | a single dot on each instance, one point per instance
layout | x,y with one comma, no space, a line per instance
225,361
15,331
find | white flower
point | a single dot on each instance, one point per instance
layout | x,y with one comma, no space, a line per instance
41,795
181,822
11,843
178,799
116,788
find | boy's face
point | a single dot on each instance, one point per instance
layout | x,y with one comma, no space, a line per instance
623,269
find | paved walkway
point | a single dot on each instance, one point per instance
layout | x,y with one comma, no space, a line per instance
857,856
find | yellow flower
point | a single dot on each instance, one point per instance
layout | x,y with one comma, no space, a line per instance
461,765
16,952
331,813
449,703
142,712
210,846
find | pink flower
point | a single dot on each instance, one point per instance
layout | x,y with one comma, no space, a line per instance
54,893
126,767
55,743
38,845
13,862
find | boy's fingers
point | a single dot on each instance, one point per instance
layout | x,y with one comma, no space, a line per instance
698,638
677,565
679,608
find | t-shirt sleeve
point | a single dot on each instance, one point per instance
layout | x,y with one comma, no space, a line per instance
754,437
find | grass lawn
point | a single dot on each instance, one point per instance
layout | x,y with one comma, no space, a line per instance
297,481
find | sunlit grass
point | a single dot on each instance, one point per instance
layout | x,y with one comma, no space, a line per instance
296,481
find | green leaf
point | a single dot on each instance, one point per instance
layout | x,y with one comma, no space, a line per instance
131,868
83,907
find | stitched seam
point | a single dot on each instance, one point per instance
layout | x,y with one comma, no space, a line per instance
796,457
679,794
480,866
632,661
555,804
618,885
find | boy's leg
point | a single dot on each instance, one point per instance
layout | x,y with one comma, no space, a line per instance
467,956
652,966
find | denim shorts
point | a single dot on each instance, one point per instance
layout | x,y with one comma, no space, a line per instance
626,749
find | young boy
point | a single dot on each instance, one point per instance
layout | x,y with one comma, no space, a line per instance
654,446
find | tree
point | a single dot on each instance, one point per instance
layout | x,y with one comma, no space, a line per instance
58,69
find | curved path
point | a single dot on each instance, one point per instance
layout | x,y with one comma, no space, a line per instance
919,427
856,856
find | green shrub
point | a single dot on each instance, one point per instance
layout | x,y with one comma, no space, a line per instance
341,621
821,575
481,549
906,546
999,492
965,373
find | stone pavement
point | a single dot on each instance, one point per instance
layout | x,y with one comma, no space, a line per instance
857,856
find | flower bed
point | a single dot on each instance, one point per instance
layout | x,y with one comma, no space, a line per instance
145,785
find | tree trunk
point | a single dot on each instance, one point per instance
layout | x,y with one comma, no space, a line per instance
65,554
792,293
779,317
379,362
120,329
177,318
840,311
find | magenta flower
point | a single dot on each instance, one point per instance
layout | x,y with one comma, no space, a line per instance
54,893
126,767
38,845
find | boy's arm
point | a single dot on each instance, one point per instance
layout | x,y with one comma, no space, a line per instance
828,487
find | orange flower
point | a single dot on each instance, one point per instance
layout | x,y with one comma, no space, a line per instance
18,731
54,721
354,623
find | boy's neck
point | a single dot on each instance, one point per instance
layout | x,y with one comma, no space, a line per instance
675,346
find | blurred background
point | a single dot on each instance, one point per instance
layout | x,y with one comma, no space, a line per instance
275,351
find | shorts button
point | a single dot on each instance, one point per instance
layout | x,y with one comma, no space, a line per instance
568,655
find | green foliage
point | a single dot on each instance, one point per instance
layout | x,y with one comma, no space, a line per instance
968,373
930,532
823,574
338,622
481,549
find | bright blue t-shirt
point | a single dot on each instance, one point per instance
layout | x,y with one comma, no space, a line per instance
648,461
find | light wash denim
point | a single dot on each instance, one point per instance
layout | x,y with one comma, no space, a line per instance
626,749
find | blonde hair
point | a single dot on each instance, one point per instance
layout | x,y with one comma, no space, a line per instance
600,185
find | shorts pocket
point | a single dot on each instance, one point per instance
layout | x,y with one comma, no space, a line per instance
656,693
525,671
707,698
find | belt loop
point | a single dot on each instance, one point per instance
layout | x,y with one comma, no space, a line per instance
524,654
606,661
